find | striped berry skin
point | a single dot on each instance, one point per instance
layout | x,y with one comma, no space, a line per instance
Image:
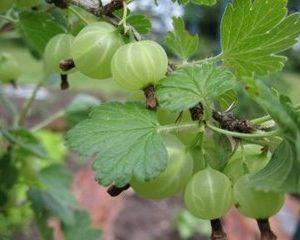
140,64
93,49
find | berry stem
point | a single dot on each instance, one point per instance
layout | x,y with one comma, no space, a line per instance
217,230
64,84
114,191
265,230
151,102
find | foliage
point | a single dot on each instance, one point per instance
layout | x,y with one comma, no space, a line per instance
126,139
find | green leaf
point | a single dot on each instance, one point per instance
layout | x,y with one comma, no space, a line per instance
38,28
180,41
204,2
141,23
191,84
216,150
267,99
226,100
252,32
282,172
126,140
79,108
81,228
56,197
41,219
27,142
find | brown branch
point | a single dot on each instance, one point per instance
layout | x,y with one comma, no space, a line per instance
95,9
229,122
217,232
59,3
265,230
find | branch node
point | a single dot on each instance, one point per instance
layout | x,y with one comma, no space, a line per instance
196,112
149,93
230,123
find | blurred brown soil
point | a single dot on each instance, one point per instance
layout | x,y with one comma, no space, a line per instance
128,217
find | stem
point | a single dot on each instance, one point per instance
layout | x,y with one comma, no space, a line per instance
260,120
79,15
48,120
114,191
123,20
265,230
177,127
217,230
9,106
7,18
64,84
28,104
210,59
242,135
266,118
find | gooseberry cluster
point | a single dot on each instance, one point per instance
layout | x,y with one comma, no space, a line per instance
99,51
210,193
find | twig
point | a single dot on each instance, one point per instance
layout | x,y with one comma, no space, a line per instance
47,121
28,104
229,122
9,106
243,135
95,9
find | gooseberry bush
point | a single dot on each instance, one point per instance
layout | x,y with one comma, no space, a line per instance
183,137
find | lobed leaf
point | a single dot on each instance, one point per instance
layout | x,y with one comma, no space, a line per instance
282,172
141,23
180,41
27,143
126,140
191,84
55,199
253,32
